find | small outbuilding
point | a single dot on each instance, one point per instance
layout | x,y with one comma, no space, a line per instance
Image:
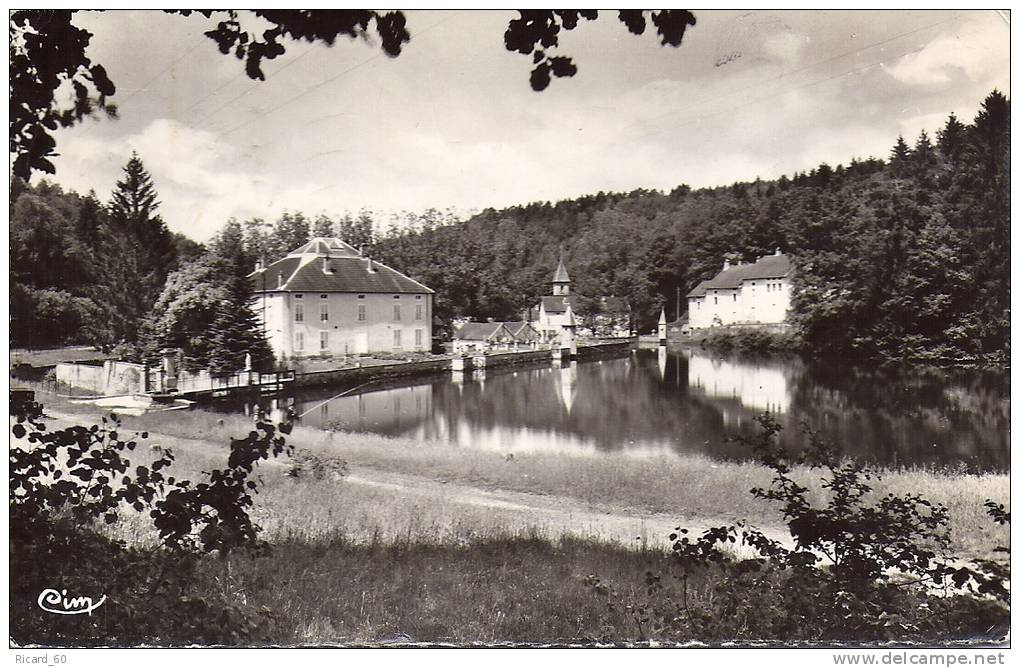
480,336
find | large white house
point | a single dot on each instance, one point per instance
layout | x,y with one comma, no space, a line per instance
326,298
755,293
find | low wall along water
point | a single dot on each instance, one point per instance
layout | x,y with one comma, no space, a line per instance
112,378
120,378
402,369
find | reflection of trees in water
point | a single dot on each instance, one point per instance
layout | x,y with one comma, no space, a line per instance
889,417
906,416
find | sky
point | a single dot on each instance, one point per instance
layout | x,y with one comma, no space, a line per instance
453,123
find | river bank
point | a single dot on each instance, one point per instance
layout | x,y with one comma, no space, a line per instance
396,487
380,541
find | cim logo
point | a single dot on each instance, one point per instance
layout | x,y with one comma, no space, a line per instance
58,603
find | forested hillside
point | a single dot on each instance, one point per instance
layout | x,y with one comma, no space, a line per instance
900,258
87,272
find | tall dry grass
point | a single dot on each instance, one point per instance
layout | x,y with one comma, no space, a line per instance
393,557
692,489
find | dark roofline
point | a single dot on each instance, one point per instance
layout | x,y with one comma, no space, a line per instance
270,279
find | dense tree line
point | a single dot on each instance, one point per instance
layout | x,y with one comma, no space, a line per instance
87,272
905,258
204,311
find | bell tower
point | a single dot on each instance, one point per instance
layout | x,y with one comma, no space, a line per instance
561,280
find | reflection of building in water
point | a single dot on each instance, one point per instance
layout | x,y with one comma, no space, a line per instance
754,385
662,362
385,411
566,384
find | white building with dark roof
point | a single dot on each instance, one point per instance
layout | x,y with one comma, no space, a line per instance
563,309
755,293
326,298
479,336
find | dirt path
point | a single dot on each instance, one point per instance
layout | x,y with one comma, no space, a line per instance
553,514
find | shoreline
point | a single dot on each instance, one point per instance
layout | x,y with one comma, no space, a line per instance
379,540
394,485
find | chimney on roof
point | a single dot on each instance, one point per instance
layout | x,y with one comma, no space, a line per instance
726,264
258,264
361,250
279,279
369,264
779,252
327,268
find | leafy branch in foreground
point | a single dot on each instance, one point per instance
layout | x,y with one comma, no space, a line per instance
852,569
66,483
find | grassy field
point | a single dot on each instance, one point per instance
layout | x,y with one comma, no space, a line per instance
691,490
495,589
432,542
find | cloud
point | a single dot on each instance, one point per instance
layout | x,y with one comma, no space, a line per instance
785,47
201,180
972,51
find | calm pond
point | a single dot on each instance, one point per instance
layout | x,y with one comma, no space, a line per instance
681,401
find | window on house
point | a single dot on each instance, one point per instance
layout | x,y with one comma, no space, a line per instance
417,337
299,312
323,340
324,311
361,296
396,311
299,341
417,311
361,311
716,300
734,296
396,338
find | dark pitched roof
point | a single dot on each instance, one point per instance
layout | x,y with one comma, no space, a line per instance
554,304
561,275
331,246
770,266
478,331
517,327
558,303
348,274
699,290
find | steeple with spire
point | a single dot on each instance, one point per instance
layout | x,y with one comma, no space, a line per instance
561,280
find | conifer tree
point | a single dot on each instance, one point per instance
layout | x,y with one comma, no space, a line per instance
951,139
923,156
150,250
899,161
134,209
236,331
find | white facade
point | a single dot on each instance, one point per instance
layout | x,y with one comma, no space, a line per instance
550,324
743,294
302,324
326,299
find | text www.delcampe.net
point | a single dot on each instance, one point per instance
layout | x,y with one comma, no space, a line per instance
901,658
